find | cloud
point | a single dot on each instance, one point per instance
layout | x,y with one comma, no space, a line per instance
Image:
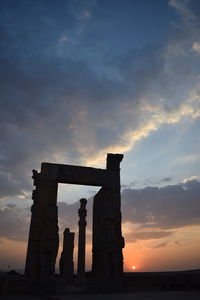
35,131
64,38
81,11
68,215
14,223
196,46
11,205
85,15
149,213
177,243
190,179
167,179
161,245
146,235
64,107
182,8
168,207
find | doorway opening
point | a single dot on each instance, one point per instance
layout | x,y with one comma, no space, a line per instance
68,202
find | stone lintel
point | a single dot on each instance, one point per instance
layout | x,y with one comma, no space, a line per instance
78,175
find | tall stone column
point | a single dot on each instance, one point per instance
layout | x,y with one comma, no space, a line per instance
66,260
43,235
32,266
107,259
81,239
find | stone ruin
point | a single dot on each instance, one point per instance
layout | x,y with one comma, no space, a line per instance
66,262
81,241
107,240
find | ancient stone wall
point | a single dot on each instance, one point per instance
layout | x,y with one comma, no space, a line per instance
107,261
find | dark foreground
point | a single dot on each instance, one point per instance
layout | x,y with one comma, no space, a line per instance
169,295
139,286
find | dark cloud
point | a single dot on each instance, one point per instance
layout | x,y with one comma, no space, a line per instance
14,223
146,235
47,110
10,186
167,207
64,104
48,114
156,212
68,215
167,179
161,245
11,205
180,244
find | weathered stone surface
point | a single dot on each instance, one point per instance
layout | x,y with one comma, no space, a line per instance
66,260
74,174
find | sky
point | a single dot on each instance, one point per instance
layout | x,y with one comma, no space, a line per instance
83,78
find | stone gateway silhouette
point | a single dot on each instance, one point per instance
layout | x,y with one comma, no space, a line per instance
43,243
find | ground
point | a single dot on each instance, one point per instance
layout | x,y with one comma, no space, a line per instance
129,296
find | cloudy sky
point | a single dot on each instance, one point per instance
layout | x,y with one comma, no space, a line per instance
83,78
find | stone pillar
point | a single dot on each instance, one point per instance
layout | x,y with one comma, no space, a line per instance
107,260
81,240
43,235
66,260
32,267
